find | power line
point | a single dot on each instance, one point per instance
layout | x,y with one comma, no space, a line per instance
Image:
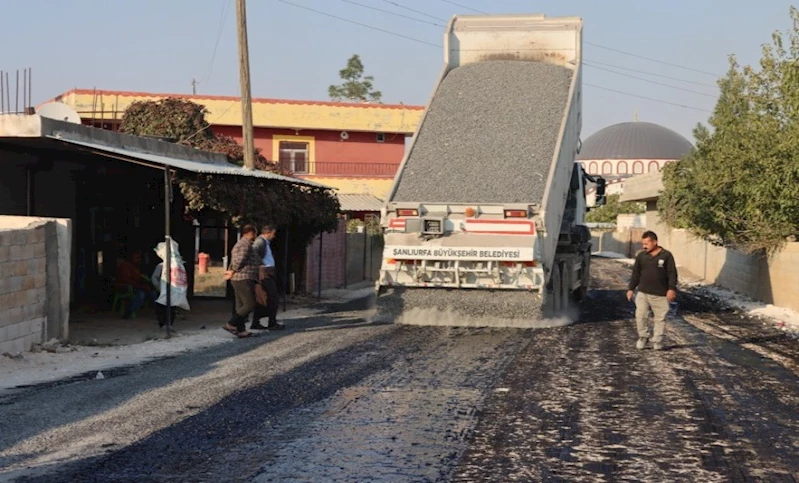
414,10
440,46
216,118
586,60
653,60
650,59
647,98
650,73
392,13
648,80
359,23
223,17
432,44
464,6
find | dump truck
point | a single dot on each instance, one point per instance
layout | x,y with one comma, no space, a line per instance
484,224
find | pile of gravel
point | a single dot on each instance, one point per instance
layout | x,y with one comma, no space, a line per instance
489,135
462,308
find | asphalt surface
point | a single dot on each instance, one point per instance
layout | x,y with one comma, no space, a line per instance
335,398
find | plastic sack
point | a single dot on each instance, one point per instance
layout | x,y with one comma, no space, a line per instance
179,285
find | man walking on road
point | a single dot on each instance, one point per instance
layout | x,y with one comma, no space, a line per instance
243,275
655,277
263,250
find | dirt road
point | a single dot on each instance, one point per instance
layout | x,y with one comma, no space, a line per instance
335,398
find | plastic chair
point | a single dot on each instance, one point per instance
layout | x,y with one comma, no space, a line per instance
122,295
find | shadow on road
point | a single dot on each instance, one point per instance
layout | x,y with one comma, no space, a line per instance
39,408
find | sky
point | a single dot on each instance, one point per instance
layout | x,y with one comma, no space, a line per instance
296,53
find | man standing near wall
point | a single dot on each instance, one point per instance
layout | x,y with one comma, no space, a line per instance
263,250
243,275
655,277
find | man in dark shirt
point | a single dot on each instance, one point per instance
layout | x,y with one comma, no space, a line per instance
655,277
243,275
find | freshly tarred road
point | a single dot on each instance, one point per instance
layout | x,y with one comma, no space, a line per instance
336,398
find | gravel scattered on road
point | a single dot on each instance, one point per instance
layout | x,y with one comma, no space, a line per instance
464,308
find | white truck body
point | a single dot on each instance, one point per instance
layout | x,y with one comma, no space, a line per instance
498,246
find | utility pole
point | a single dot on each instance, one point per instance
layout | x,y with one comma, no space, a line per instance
194,87
244,78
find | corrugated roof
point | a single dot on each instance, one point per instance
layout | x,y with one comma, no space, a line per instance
359,202
635,140
193,166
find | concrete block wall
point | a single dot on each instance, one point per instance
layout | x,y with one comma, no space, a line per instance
356,257
333,260
23,288
783,277
364,254
772,280
626,242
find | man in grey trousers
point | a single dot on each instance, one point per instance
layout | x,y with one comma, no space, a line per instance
655,277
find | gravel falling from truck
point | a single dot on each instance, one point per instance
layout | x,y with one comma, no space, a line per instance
489,136
466,308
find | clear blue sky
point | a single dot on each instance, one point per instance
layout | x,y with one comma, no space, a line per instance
160,45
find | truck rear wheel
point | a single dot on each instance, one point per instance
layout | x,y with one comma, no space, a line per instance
585,280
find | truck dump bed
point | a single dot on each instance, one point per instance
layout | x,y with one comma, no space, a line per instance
489,135
473,220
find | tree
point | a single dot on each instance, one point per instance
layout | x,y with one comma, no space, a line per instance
307,210
740,186
356,87
612,208
184,122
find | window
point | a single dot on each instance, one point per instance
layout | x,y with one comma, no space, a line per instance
593,168
607,168
653,166
622,167
294,156
381,137
638,167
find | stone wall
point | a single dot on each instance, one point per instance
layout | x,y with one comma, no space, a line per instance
23,289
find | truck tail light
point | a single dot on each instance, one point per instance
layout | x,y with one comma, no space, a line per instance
515,214
407,212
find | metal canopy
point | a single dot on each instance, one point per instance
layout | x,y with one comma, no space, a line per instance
359,202
193,166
